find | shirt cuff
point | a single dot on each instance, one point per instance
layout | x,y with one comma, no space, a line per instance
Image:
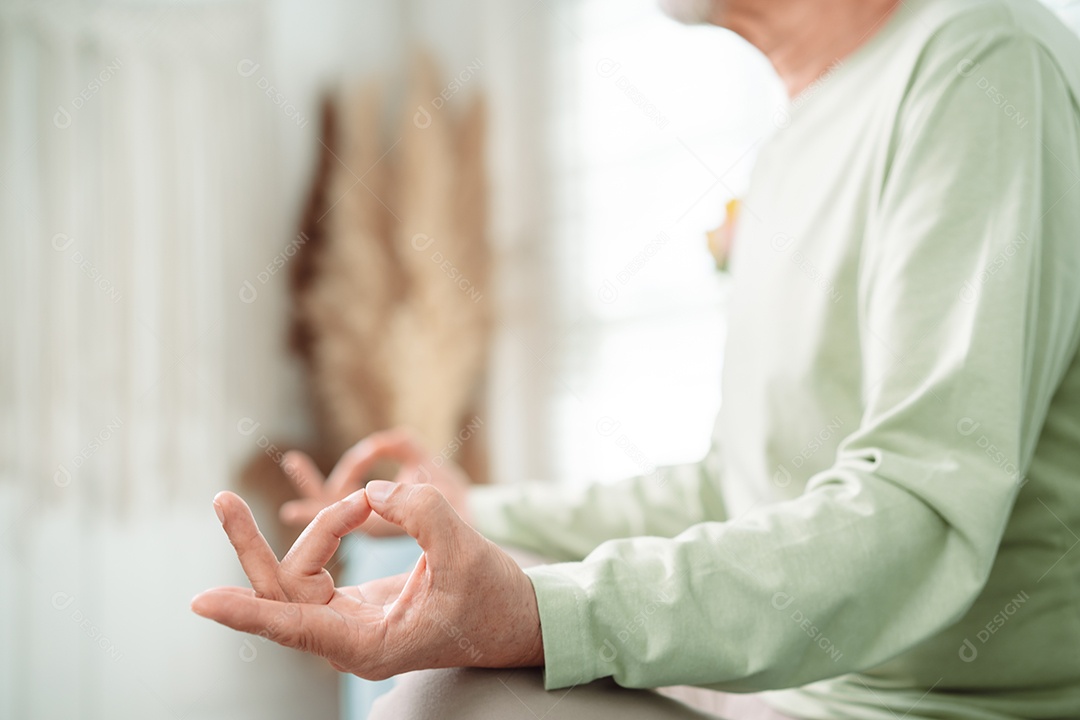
572,654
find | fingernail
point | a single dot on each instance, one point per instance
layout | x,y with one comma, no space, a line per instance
198,604
220,513
355,497
379,490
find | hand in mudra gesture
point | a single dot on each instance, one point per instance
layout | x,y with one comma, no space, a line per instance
466,603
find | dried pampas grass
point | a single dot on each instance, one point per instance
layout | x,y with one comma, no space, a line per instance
392,314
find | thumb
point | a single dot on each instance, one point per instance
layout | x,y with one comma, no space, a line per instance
420,510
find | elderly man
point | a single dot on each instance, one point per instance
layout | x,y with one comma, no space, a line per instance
886,523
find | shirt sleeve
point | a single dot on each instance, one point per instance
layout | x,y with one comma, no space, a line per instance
968,313
566,524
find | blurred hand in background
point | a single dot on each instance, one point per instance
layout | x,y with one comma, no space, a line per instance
400,445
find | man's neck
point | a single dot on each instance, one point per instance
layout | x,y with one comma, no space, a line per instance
803,38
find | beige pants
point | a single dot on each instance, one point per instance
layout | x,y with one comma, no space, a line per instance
473,694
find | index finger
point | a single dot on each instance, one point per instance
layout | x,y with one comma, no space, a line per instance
320,539
397,444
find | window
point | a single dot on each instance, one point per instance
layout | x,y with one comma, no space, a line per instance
657,126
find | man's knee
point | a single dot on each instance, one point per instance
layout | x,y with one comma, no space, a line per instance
465,693
475,694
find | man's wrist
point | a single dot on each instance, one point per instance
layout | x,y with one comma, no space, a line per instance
532,634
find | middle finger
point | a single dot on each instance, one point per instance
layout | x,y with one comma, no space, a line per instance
320,540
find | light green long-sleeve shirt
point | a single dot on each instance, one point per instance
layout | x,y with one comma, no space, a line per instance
888,523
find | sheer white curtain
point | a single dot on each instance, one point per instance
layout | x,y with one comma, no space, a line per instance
139,188
153,159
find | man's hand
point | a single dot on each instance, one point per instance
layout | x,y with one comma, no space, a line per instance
466,603
400,445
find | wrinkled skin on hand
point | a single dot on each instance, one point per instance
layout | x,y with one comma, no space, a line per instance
465,603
